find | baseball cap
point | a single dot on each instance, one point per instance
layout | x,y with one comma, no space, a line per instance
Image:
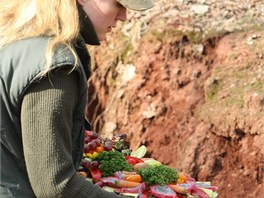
138,5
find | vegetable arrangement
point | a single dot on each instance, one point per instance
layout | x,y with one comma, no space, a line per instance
112,161
158,175
111,165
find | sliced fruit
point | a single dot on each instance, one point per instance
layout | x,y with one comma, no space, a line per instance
138,189
210,193
96,174
162,191
134,195
109,189
152,162
140,152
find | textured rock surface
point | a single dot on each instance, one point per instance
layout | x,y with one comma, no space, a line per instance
187,80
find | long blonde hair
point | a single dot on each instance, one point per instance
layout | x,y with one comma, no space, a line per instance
58,19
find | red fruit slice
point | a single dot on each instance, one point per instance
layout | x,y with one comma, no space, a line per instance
96,174
162,191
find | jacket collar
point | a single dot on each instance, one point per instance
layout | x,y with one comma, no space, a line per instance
87,30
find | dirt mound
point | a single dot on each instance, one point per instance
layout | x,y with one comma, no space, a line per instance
195,101
197,107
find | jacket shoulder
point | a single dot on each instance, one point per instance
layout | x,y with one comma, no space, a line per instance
22,62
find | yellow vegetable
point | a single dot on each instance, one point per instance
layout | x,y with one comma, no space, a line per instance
92,155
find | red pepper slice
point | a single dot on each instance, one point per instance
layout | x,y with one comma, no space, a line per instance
133,160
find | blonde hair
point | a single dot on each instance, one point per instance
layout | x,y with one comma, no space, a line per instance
57,19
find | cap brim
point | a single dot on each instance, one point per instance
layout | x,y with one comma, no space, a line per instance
137,5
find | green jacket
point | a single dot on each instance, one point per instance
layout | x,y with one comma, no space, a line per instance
22,91
21,64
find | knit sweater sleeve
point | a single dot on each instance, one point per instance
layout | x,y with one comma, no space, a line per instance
46,121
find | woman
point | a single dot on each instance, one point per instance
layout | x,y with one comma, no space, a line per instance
44,69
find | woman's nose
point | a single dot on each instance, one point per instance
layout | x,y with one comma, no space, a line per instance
122,14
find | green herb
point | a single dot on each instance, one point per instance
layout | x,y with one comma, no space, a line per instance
158,174
112,161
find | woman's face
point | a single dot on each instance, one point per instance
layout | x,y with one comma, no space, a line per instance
104,15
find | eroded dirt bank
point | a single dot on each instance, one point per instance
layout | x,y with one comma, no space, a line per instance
196,102
197,107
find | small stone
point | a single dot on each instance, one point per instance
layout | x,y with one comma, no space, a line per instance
200,9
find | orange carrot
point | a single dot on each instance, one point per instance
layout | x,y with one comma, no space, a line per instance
126,184
133,178
178,189
99,149
182,178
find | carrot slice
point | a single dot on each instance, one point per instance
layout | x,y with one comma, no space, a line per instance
133,178
178,189
126,184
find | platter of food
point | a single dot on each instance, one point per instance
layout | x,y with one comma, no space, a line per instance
112,165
